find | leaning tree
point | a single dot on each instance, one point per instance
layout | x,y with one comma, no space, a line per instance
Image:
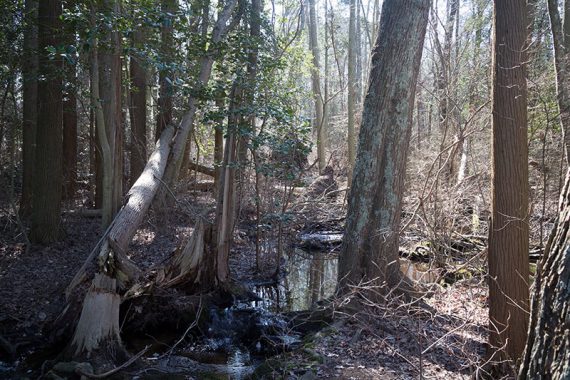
370,249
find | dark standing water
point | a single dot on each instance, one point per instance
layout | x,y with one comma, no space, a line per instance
309,277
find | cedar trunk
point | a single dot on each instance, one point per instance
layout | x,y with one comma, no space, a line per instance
29,104
48,156
70,119
508,231
370,248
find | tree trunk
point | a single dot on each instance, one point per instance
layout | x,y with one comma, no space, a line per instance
370,247
104,156
164,116
218,147
29,104
138,200
111,100
318,127
352,88
548,345
561,37
46,218
138,108
226,198
508,230
70,117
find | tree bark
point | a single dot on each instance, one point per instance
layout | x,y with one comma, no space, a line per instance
105,156
370,247
131,215
70,117
111,100
561,38
29,104
47,191
352,88
318,127
548,345
508,230
164,116
138,108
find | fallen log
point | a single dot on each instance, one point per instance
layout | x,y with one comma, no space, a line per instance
202,169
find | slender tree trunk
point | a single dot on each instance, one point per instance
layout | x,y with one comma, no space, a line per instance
110,91
218,147
561,37
352,88
370,248
318,127
138,108
105,166
548,345
508,230
226,198
29,104
164,116
46,217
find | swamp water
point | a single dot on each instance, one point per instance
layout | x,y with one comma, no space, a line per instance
240,338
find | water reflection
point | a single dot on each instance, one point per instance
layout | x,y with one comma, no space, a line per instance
309,277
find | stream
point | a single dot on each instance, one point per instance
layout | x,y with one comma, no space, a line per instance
243,336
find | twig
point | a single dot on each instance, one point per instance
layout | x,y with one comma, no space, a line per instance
114,370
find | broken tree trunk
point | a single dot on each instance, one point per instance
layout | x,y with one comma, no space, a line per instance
111,269
97,334
124,226
191,266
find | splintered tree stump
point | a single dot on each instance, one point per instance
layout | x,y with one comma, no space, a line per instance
193,266
97,332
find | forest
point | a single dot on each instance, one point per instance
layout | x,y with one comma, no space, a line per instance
285,189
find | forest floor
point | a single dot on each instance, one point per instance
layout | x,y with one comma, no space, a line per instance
445,338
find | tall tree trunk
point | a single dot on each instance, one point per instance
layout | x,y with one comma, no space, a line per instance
70,118
167,48
318,127
548,345
226,198
508,230
110,92
138,108
29,104
46,217
370,247
105,155
561,37
352,88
